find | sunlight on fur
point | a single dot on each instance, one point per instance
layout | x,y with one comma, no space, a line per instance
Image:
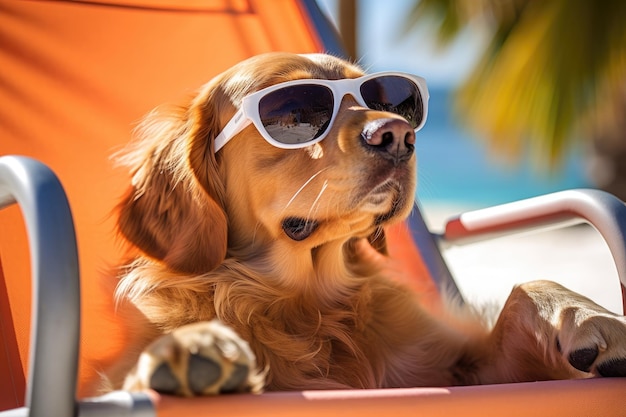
286,248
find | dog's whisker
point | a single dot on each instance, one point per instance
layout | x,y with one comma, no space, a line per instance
304,186
257,226
316,203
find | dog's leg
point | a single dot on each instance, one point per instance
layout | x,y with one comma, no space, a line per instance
546,331
198,359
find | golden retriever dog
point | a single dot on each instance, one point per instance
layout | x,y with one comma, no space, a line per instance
256,217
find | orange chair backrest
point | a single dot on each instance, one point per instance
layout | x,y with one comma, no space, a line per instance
76,78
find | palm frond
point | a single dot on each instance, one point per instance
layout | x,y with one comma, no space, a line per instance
550,71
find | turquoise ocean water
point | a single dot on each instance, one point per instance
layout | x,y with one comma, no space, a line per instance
456,167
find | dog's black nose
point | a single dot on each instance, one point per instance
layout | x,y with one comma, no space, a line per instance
392,139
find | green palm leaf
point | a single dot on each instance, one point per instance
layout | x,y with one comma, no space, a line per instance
551,76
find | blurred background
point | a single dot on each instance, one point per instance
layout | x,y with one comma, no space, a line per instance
526,98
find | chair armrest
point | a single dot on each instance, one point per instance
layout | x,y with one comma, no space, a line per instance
605,212
55,310
600,396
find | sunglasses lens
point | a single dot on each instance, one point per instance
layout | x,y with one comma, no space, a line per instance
296,114
394,94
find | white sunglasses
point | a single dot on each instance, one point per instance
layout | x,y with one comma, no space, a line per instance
296,114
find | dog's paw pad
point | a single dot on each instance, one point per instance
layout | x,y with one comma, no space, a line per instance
236,379
202,372
163,380
594,342
582,359
613,368
198,359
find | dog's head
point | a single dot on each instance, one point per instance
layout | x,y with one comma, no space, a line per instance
189,205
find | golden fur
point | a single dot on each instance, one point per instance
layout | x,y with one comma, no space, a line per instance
208,241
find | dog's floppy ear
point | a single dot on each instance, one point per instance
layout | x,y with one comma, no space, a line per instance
173,211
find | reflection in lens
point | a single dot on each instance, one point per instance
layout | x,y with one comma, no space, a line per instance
296,114
394,94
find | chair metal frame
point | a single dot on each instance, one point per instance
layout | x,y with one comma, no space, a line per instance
55,310
605,212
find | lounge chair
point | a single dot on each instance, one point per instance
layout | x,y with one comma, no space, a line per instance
76,76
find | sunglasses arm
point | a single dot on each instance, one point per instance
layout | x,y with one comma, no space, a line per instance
235,125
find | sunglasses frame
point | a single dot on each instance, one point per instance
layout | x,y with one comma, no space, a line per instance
248,112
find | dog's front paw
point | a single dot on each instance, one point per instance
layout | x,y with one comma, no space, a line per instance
594,342
197,359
